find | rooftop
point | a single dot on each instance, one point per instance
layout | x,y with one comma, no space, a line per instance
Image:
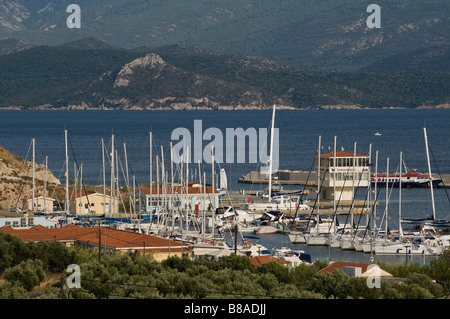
119,239
343,154
259,260
366,269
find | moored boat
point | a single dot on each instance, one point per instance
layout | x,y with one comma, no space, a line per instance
412,179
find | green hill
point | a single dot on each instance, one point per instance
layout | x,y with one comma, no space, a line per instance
435,58
80,76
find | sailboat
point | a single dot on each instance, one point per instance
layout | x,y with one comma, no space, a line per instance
281,202
420,245
223,182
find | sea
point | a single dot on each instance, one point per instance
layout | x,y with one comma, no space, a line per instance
387,132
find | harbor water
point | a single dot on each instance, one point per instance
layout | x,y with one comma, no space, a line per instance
400,130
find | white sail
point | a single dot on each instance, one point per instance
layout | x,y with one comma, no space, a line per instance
223,179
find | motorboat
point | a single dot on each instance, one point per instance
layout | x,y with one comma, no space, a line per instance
296,257
284,203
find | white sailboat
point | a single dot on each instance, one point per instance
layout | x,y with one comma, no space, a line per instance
420,245
281,202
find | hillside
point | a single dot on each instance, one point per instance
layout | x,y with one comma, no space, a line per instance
8,46
16,179
316,35
436,58
90,74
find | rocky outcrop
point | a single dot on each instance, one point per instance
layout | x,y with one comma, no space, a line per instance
16,179
151,60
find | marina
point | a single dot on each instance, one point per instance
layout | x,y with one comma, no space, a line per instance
338,213
225,157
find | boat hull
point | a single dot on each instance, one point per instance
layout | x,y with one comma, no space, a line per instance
316,240
265,230
297,238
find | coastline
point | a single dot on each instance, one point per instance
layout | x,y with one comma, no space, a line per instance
85,107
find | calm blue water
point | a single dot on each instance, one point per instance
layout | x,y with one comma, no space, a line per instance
402,131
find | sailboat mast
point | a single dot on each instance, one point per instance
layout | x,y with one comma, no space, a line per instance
157,181
45,184
111,197
375,205
271,153
104,175
203,204
151,173
81,187
353,186
369,185
429,173
318,182
34,175
67,174
187,189
400,230
127,175
387,199
163,186
172,193
212,190
334,185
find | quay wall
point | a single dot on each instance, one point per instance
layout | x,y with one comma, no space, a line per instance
288,177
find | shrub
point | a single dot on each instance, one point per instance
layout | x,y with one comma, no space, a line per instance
425,282
11,290
28,273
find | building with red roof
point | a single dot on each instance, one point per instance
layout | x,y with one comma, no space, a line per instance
340,173
357,269
111,241
259,260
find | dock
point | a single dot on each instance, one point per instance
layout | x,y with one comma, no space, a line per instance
238,198
285,177
290,177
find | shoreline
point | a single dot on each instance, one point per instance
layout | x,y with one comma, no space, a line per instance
219,108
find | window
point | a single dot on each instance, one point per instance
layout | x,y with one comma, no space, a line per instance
331,161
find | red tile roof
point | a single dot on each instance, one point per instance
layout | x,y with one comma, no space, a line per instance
341,264
342,154
84,194
259,260
119,239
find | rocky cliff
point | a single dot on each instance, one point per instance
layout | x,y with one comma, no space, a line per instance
16,179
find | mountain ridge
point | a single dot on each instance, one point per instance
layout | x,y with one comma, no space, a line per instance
90,74
326,35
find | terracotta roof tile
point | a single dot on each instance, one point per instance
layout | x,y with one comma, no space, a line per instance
339,264
119,239
259,260
342,154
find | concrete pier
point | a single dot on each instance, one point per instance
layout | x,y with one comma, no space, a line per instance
288,177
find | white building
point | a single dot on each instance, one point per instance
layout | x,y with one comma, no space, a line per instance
340,173
91,203
41,204
198,198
